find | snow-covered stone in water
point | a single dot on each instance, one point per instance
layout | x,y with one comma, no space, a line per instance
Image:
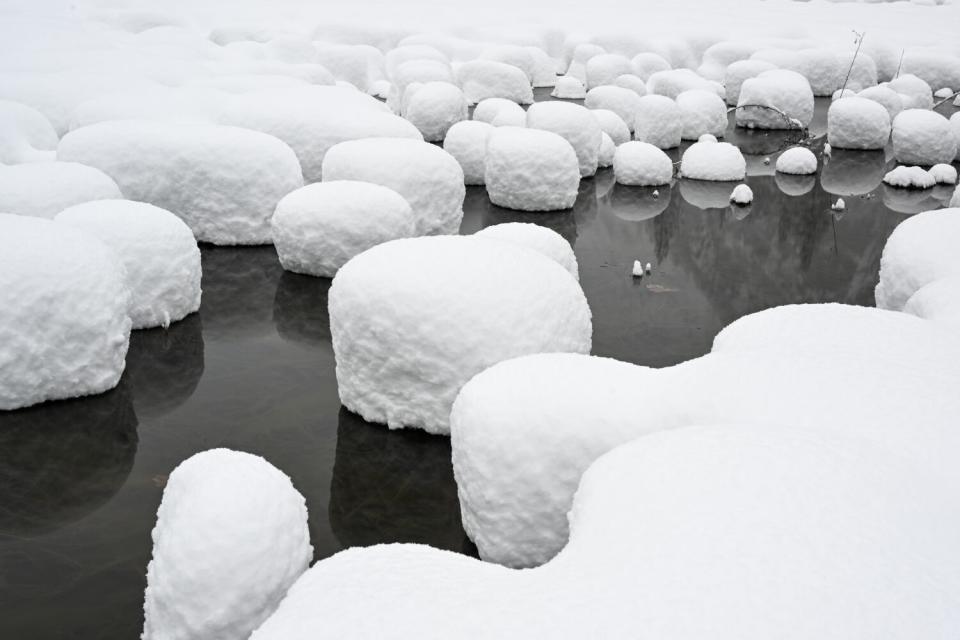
157,249
569,88
740,71
573,122
648,63
530,170
946,92
467,142
500,112
581,55
533,236
429,178
25,134
798,161
741,195
434,108
955,126
701,112
44,189
321,226
715,161
920,250
857,123
944,174
938,70
224,182
612,125
922,137
512,54
642,164
400,310
909,178
604,68
421,71
64,327
622,102
775,99
918,94
607,150
658,121
231,537
395,57
886,96
481,79
842,93
633,82
675,81
544,72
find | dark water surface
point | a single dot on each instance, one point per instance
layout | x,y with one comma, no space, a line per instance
80,480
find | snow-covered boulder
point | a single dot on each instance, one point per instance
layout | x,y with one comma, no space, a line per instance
675,81
416,71
701,112
775,99
512,54
885,96
740,71
397,56
573,122
544,70
434,107
633,82
533,236
467,142
169,104
798,161
944,174
658,121
622,102
25,134
648,63
955,126
231,537
642,164
482,79
741,195
857,123
157,249
612,125
913,91
569,88
400,310
607,150
44,189
429,178
909,178
64,327
224,182
934,68
714,161
530,170
321,226
604,68
500,112
922,137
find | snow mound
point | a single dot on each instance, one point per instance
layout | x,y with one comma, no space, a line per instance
633,82
701,112
741,195
642,164
944,174
429,178
775,99
955,126
512,54
500,112
740,71
44,189
25,134
857,123
544,72
797,161
158,251
607,150
909,178
938,301
604,68
64,328
530,170
715,161
573,122
467,142
622,102
885,96
612,125
416,71
481,79
647,63
401,309
914,92
658,121
321,226
533,236
922,137
231,537
169,104
224,182
935,69
569,88
434,108
673,82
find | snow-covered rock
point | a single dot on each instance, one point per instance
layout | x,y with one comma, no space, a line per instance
44,189
715,161
797,161
500,112
647,63
633,82
530,170
512,54
544,72
467,142
533,236
673,82
321,226
481,79
434,107
934,68
573,122
741,195
612,125
622,102
231,537
658,121
224,182
158,251
701,112
25,134
886,96
604,68
938,301
909,178
64,328
922,137
607,150
569,88
955,126
913,91
775,99
857,123
944,174
416,71
739,71
642,164
429,178
401,309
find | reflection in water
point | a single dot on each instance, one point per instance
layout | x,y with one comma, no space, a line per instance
164,366
239,284
563,222
704,194
793,185
394,486
60,461
638,203
909,201
853,173
300,308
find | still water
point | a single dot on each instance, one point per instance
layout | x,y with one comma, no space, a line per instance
80,480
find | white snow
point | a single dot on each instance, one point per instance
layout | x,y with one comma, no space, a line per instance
944,174
44,189
658,121
633,82
647,63
637,271
321,226
717,161
25,134
741,194
839,205
481,79
922,137
642,164
64,328
569,88
573,122
607,150
673,82
886,96
401,309
158,251
621,101
857,123
775,99
530,170
414,71
512,54
467,142
612,125
910,178
739,71
604,68
797,161
533,236
435,107
914,92
701,112
955,126
938,70
500,112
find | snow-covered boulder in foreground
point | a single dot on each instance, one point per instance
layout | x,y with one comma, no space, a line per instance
622,102
658,121
64,328
530,170
231,537
434,107
321,226
44,189
533,236
482,79
569,88
775,99
429,178
701,112
25,134
798,161
573,122
922,137
157,249
224,182
717,161
467,142
642,164
857,123
401,309
909,178
500,112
